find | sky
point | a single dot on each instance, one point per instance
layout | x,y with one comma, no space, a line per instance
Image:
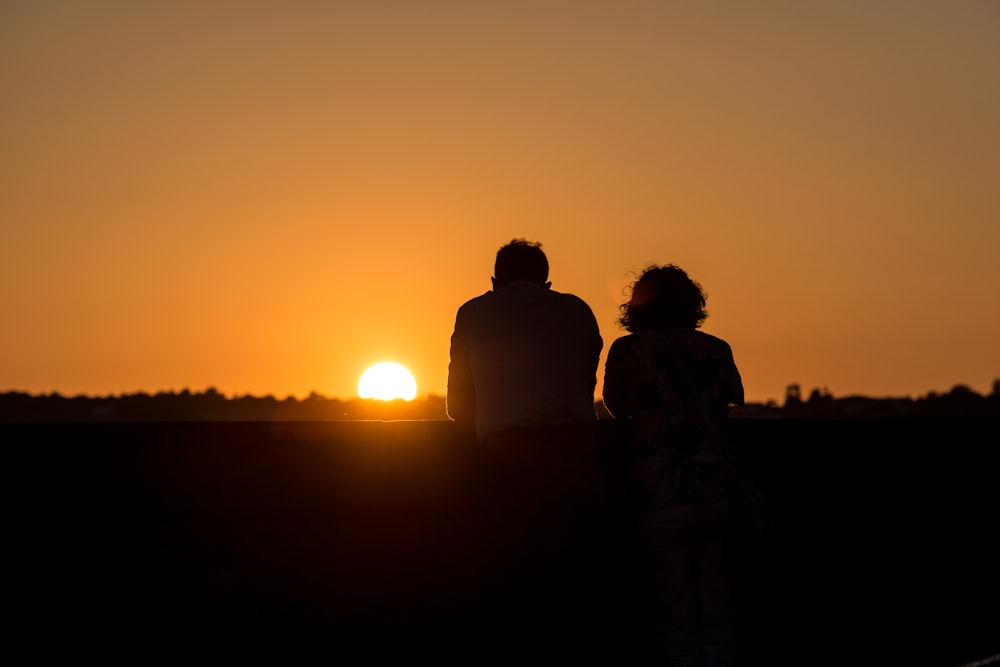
269,197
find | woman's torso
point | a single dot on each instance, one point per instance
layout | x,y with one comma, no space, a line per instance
676,387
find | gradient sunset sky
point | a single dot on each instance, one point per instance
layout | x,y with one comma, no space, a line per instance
269,197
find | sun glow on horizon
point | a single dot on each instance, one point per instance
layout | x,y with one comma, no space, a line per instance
387,381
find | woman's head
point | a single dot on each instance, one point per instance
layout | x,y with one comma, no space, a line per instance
663,297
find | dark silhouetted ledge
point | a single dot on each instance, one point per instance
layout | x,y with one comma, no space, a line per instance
275,535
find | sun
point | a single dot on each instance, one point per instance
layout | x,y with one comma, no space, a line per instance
387,381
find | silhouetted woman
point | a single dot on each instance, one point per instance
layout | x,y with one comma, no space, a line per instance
676,385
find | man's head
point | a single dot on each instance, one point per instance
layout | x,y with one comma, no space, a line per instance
521,260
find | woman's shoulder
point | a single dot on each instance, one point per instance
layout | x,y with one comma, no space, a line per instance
709,339
621,346
653,339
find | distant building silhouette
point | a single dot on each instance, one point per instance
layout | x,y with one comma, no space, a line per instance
793,395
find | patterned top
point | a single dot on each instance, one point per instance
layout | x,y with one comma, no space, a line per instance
675,387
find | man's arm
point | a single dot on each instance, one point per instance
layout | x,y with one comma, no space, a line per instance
597,345
461,399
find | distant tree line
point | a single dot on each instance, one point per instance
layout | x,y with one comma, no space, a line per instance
960,401
211,405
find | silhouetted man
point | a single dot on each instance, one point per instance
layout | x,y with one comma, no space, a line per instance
523,355
522,376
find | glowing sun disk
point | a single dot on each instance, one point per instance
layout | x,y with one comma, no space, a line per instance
387,381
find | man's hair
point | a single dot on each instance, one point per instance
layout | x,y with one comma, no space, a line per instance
521,260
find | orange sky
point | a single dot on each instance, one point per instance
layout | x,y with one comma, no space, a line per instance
269,197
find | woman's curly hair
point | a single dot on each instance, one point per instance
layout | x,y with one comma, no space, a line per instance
663,297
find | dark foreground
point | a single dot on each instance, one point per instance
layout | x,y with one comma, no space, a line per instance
287,538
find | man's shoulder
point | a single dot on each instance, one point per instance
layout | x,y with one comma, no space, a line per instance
491,304
569,300
566,296
578,311
476,302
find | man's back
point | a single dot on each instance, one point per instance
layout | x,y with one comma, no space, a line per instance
523,355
